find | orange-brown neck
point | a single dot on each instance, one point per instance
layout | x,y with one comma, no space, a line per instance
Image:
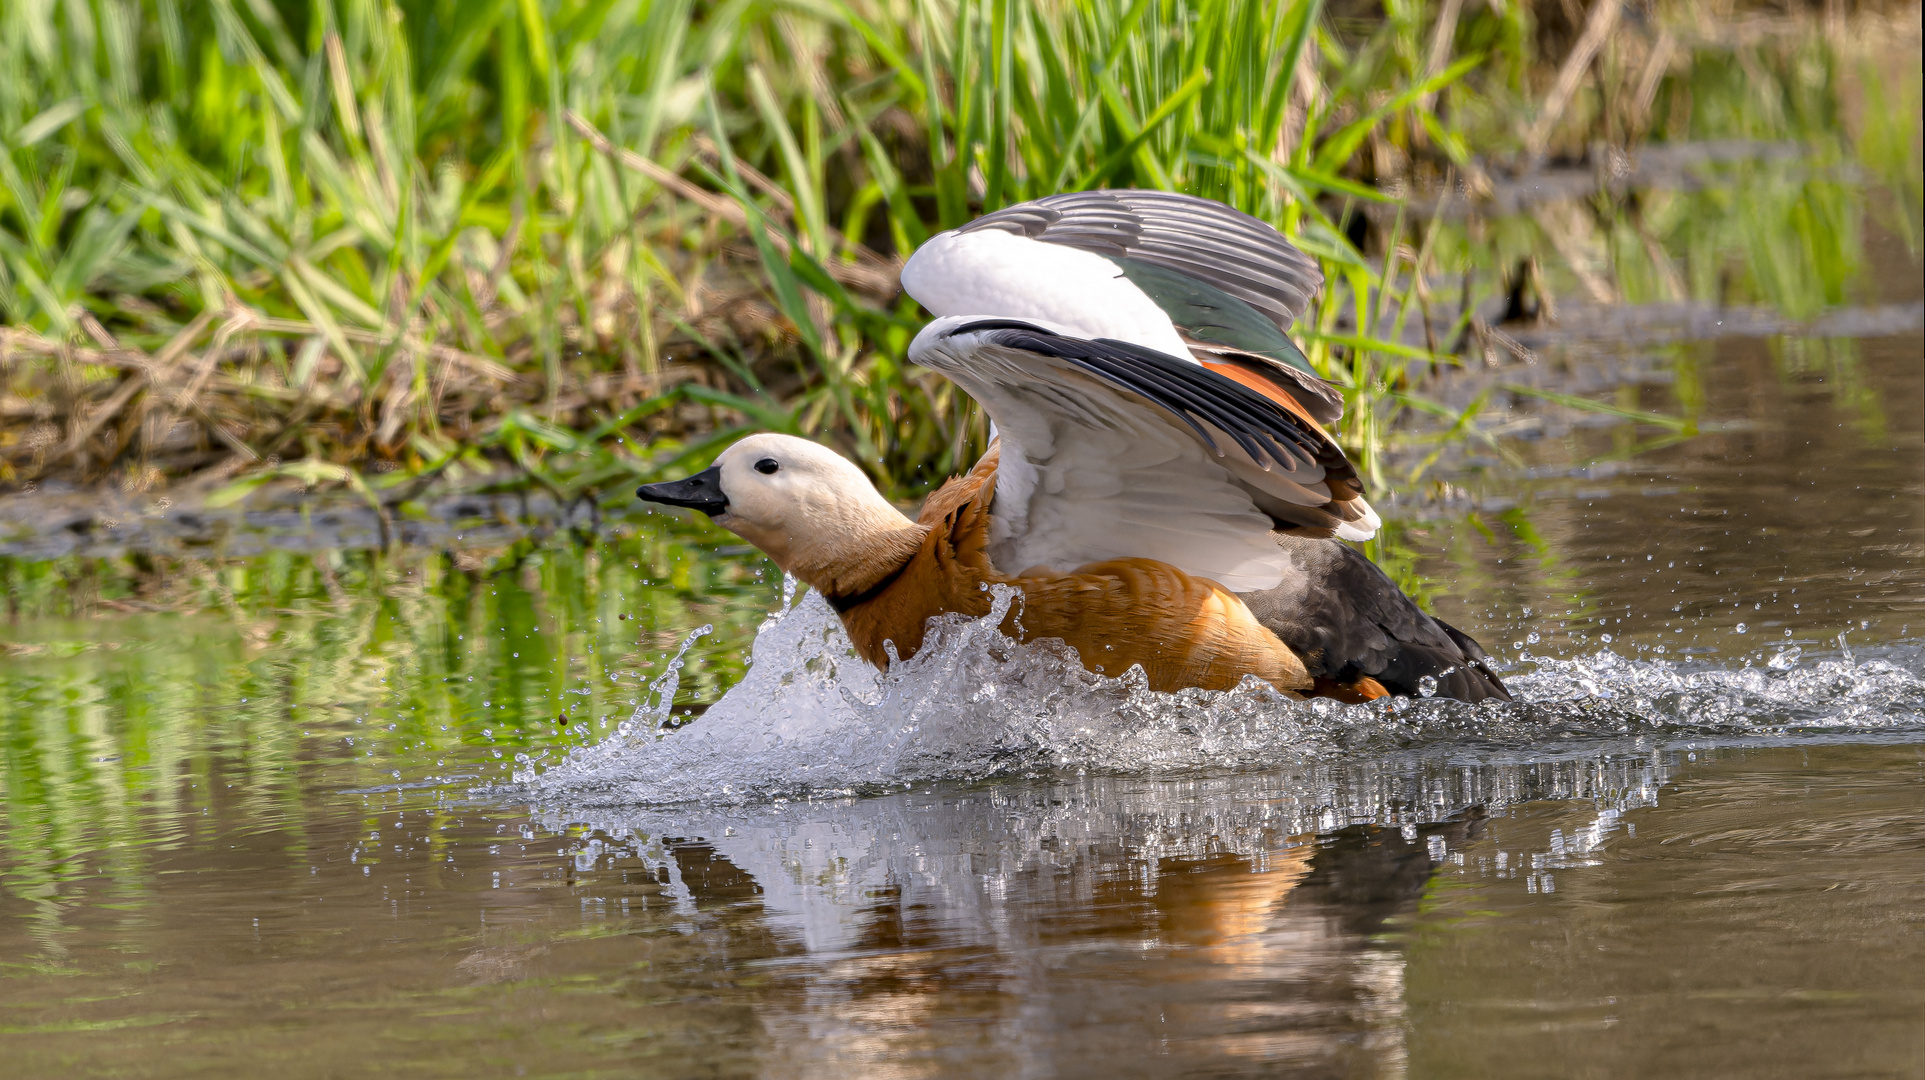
948,571
857,567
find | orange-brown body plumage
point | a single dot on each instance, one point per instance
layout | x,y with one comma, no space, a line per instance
1184,631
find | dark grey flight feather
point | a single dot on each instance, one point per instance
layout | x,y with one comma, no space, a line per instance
1223,248
1191,392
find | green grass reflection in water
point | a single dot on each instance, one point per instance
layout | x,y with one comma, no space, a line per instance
338,669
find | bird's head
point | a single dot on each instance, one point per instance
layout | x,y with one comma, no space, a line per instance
807,507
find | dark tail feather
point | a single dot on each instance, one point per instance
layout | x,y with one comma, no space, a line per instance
1489,683
1347,620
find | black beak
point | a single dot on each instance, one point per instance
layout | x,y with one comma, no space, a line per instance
703,492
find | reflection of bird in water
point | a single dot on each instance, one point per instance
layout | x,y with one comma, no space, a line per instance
1161,491
1225,900
1237,960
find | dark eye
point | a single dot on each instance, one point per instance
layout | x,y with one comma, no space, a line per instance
767,465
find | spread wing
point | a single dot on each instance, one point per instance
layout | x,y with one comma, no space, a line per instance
1113,450
1189,254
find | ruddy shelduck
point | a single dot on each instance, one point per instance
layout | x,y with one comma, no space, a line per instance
1159,490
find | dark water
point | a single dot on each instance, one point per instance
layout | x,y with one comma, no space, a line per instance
275,805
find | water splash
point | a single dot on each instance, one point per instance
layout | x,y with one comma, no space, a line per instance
812,718
649,715
969,851
655,707
1874,691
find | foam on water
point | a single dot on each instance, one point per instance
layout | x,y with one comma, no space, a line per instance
961,856
812,718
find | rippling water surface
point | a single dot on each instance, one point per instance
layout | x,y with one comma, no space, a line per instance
507,805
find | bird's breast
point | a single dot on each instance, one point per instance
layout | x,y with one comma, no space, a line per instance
1184,631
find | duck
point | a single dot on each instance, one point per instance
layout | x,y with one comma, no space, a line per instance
1160,490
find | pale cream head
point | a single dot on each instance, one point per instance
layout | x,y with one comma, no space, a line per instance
809,508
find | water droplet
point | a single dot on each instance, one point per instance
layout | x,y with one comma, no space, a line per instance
1427,687
1741,628
1532,638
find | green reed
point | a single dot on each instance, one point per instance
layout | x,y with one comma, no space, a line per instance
387,242
359,232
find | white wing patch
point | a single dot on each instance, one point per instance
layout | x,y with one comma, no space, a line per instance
1090,473
998,274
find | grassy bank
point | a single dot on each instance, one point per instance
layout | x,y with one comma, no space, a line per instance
576,244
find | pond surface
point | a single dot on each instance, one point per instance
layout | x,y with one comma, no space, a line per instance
481,808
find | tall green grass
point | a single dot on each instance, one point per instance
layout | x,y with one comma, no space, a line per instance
585,241
365,233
